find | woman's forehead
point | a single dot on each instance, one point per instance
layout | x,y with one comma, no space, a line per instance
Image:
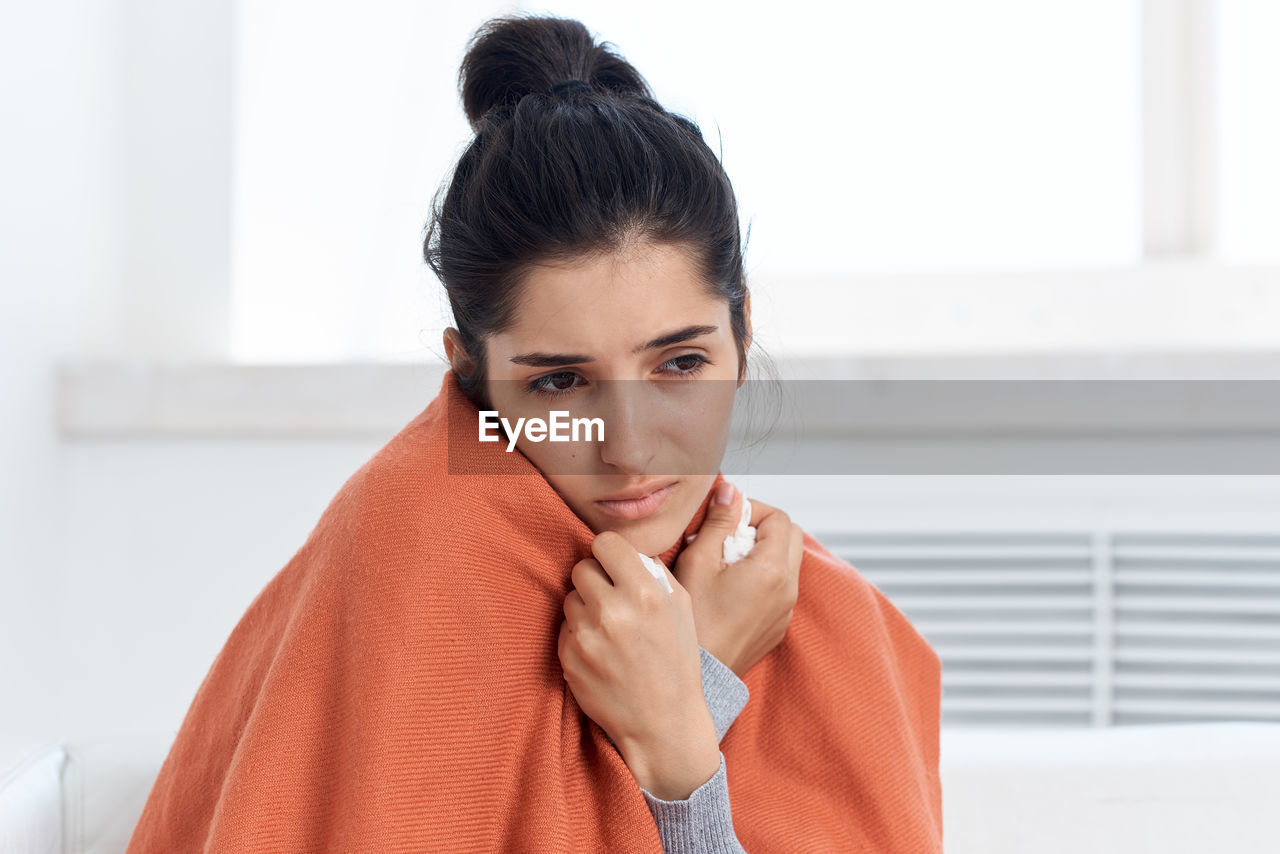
611,302
631,271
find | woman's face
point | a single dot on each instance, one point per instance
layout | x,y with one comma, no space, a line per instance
631,339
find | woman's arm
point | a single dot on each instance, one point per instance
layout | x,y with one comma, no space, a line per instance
725,693
628,651
700,824
703,822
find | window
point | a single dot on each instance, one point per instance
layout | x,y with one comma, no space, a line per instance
924,138
916,135
1249,129
345,119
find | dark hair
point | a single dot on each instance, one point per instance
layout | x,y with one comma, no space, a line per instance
585,169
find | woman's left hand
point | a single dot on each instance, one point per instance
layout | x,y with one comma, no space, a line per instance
630,655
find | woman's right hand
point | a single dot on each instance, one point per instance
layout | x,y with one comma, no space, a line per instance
741,610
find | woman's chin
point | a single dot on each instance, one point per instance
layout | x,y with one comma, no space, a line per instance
657,532
647,536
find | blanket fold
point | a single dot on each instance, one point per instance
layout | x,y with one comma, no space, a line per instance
396,688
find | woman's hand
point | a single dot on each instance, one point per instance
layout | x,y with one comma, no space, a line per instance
630,655
742,610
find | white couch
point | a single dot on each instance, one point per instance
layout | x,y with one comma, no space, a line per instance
1188,788
76,797
1171,789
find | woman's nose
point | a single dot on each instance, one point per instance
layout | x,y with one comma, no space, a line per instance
630,435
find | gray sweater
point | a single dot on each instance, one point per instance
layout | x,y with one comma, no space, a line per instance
703,822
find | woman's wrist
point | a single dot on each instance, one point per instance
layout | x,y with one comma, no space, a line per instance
673,764
723,652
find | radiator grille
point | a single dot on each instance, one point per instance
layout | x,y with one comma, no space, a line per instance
1087,628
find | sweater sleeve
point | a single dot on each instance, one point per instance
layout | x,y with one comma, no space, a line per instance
703,822
726,694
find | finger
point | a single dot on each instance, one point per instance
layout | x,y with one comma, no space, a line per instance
776,523
672,582
575,608
721,520
567,652
590,580
773,538
620,560
562,641
759,512
796,553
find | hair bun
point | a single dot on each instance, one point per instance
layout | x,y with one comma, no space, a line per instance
513,56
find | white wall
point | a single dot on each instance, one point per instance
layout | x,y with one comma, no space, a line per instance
124,564
167,541
112,242
60,269
166,544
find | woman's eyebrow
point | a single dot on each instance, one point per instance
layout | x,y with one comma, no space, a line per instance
552,360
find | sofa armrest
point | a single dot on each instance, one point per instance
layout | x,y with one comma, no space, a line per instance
30,796
105,784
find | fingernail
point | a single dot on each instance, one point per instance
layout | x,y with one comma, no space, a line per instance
724,493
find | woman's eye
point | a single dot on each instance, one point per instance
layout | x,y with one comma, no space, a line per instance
698,363
564,382
551,384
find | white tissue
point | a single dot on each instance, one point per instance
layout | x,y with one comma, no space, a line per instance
658,571
738,544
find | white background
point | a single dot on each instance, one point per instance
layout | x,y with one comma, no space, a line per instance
200,180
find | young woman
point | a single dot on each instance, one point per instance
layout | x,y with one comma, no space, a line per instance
469,653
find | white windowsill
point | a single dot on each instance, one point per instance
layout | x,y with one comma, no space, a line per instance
139,399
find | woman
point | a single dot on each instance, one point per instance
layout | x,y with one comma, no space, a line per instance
468,652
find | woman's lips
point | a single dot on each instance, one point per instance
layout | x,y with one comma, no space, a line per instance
638,508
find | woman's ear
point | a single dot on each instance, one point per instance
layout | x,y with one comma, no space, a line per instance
746,344
456,353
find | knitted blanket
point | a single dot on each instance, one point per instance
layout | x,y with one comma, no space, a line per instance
396,688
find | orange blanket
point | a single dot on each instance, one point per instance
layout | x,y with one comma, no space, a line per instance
396,687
